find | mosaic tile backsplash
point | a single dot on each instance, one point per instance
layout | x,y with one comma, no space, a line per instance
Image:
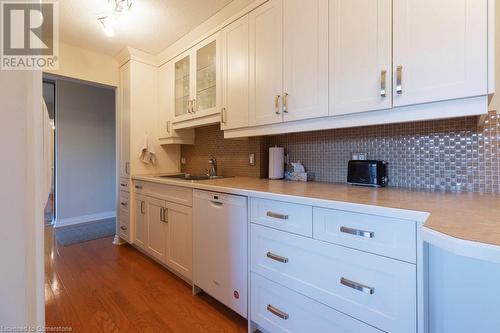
231,155
452,154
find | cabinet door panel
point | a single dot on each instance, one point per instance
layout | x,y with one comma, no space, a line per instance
266,69
235,71
180,239
140,228
125,121
206,77
305,61
183,87
442,49
157,229
360,50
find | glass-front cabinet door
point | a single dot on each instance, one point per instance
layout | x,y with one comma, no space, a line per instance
206,77
182,88
197,84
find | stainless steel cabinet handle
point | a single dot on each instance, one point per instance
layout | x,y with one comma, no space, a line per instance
277,312
161,214
277,215
165,215
399,79
123,185
142,207
383,77
189,106
123,204
276,257
127,166
138,187
285,102
123,228
277,104
223,116
357,286
168,127
194,106
357,232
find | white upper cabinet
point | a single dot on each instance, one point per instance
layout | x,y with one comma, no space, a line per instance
288,61
197,84
266,59
235,74
305,59
440,50
360,56
166,109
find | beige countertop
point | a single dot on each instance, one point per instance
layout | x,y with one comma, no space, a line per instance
468,216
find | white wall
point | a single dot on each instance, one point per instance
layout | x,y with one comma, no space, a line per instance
21,239
86,65
86,169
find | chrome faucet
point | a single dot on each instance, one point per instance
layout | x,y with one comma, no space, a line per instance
212,166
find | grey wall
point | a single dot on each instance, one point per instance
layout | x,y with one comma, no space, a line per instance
85,121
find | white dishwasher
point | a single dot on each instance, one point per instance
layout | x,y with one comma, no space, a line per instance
220,247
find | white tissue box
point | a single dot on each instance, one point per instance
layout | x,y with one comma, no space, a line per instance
299,176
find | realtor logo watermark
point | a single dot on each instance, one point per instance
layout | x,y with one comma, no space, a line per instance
29,35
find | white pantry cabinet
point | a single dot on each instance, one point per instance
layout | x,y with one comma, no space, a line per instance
288,61
235,74
166,108
124,106
197,87
360,56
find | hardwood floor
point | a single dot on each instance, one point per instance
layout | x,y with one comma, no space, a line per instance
99,287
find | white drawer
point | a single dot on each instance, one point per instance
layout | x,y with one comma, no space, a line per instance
124,201
331,273
270,301
281,215
124,225
381,235
176,194
124,184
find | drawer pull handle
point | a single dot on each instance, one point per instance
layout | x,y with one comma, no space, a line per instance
276,257
277,216
138,187
123,185
123,228
123,204
357,286
277,312
357,232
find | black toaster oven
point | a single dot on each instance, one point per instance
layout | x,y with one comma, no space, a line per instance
367,173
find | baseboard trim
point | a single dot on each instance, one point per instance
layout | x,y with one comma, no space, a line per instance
84,219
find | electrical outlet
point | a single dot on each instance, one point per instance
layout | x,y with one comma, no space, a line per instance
359,156
251,159
183,160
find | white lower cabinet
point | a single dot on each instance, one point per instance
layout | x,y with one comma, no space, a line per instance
140,223
340,278
279,309
179,241
163,229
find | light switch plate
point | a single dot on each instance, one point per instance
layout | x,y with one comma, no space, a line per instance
251,159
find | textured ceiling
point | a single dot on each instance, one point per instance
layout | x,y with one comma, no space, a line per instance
151,25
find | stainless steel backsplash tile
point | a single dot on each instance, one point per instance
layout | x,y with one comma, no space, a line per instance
452,154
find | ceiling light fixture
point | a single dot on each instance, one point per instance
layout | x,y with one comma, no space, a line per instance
117,8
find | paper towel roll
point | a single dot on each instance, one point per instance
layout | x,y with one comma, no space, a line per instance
276,162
